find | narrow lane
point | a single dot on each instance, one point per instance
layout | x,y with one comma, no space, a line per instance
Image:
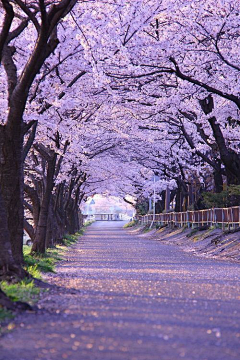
125,297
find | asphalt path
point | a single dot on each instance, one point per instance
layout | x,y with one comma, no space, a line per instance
120,296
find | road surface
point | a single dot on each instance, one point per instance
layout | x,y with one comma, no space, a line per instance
125,297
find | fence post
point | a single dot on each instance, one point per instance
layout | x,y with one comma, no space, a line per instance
233,224
239,216
223,225
198,217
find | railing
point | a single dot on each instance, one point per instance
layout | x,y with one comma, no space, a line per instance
223,216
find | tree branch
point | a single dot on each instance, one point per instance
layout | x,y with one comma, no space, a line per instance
10,68
28,12
219,51
9,15
192,146
209,88
31,137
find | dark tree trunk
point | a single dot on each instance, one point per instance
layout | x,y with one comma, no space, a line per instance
11,184
34,198
11,134
230,158
51,230
29,229
181,196
218,178
55,230
8,265
160,204
39,244
178,202
167,199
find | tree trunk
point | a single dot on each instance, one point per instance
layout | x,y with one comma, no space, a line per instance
11,188
11,134
167,199
7,263
218,179
39,244
181,196
229,157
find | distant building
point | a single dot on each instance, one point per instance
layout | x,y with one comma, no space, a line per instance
107,208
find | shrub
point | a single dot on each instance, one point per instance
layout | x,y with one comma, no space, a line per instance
226,198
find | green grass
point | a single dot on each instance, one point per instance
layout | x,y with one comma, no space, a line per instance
43,263
130,224
24,291
87,223
68,240
40,262
146,229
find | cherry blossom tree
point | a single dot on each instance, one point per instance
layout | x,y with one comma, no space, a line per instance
29,32
180,62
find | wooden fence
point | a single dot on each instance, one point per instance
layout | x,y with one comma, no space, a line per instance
226,217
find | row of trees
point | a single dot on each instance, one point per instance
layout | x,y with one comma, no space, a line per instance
105,96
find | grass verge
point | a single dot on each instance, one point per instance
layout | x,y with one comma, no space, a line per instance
130,224
26,290
43,263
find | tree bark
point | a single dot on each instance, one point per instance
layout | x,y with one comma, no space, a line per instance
181,196
218,178
230,158
39,244
7,262
11,134
11,185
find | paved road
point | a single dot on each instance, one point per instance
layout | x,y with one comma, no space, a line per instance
125,297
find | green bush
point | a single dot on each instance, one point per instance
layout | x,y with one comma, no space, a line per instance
217,200
222,199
